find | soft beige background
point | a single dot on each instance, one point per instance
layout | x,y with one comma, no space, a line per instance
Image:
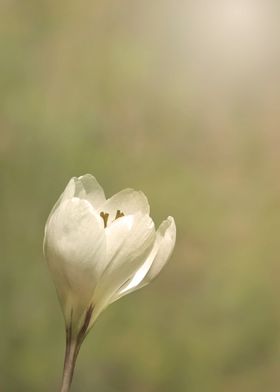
179,99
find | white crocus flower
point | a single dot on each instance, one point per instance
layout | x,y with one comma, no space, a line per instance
99,250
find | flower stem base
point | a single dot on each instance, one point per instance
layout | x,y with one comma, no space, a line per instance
73,345
71,353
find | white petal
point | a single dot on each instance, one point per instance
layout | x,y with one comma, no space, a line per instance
85,187
128,201
88,188
142,271
167,231
129,241
67,194
75,249
159,255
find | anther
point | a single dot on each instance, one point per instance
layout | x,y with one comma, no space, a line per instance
119,214
104,216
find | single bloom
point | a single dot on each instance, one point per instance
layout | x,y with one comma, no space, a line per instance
99,249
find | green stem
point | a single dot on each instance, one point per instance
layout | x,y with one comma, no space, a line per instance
73,345
71,353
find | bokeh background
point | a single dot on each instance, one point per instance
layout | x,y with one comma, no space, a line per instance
181,100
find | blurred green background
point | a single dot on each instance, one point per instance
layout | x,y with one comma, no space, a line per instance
180,100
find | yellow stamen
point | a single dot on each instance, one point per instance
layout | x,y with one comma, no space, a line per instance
104,216
119,214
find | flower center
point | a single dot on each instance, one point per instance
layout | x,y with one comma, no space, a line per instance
105,216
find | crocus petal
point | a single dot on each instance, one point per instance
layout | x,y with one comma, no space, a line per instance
68,193
88,188
128,201
167,231
85,187
75,247
129,241
159,255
